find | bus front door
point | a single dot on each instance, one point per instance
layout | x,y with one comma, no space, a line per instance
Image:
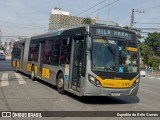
77,64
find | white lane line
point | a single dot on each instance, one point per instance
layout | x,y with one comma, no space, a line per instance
19,78
158,78
151,77
4,81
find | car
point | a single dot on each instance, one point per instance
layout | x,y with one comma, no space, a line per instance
2,57
143,73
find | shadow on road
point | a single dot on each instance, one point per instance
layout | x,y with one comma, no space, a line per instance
97,99
105,99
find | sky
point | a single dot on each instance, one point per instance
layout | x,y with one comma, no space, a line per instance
30,17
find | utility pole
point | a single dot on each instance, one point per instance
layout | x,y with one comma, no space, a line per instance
132,19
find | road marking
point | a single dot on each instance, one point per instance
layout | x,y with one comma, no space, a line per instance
151,77
4,81
158,78
20,79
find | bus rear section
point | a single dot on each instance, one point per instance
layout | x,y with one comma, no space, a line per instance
20,55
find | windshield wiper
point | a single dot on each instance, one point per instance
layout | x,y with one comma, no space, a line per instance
108,68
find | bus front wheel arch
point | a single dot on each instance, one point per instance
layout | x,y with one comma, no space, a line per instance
32,73
60,83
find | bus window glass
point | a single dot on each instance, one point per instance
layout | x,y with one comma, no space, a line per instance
114,56
33,50
65,51
56,50
17,50
48,52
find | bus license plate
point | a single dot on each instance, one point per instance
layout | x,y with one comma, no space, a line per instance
116,94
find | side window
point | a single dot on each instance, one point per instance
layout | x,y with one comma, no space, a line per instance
48,51
65,50
33,50
17,50
57,44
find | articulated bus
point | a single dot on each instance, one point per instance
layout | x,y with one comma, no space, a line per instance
89,60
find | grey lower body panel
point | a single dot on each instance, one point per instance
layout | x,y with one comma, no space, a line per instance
112,92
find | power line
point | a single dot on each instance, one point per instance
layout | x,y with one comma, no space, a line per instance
145,23
146,18
149,28
151,7
101,8
91,7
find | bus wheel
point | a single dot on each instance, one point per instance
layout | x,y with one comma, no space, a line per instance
32,73
60,83
16,68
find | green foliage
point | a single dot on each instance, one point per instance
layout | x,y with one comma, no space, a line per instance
153,40
150,50
126,27
2,48
87,20
145,50
154,61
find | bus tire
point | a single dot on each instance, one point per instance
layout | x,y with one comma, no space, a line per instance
16,68
32,73
60,83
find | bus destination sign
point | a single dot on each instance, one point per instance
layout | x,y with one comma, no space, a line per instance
114,33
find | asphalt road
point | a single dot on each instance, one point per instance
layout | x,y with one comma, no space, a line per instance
20,93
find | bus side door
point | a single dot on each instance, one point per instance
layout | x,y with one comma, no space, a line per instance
77,62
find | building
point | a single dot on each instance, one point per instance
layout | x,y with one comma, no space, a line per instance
62,19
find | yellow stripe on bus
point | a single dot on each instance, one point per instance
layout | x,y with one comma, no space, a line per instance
45,73
132,49
14,63
112,83
29,67
35,69
18,64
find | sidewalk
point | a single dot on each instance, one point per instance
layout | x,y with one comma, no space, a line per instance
154,73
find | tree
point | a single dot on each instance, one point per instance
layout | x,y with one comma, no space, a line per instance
87,20
153,40
146,52
2,48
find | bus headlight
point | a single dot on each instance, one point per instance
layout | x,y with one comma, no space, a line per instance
94,81
137,81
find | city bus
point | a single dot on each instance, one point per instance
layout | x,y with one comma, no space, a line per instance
88,60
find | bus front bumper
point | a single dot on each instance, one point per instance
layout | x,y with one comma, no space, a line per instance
112,92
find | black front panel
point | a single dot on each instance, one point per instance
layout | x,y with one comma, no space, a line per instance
113,32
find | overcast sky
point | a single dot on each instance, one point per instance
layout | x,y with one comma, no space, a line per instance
28,17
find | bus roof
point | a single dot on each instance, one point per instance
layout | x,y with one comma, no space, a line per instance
62,30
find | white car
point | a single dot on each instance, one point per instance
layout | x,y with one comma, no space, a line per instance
143,73
2,57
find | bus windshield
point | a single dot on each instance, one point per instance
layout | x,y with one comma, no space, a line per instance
112,55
